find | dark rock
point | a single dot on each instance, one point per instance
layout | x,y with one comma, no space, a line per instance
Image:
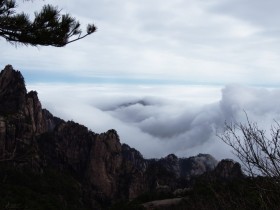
188,167
21,119
228,169
12,91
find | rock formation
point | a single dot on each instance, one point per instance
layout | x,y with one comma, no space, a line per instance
106,169
228,169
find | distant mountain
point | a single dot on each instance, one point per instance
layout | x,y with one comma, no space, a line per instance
100,170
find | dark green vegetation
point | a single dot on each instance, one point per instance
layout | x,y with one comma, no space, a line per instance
23,189
245,194
236,194
49,27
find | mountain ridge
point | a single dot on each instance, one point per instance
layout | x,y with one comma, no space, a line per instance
107,171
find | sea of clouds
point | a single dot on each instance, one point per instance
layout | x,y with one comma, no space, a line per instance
159,119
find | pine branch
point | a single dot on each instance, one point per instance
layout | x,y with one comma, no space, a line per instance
49,27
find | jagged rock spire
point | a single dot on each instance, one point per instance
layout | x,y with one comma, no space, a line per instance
12,90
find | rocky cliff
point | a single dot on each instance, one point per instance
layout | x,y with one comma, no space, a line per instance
22,118
107,170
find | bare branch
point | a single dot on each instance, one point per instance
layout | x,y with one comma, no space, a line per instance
259,154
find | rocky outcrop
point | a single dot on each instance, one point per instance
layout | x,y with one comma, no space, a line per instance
171,172
12,91
225,171
107,170
22,118
228,169
188,167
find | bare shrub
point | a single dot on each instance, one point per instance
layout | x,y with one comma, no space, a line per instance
258,152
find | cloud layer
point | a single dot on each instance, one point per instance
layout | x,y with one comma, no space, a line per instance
158,120
210,42
213,42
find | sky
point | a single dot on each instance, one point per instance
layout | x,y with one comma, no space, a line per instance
165,74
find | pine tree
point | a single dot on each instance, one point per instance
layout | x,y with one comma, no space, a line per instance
48,28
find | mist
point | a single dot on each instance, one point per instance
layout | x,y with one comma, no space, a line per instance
159,120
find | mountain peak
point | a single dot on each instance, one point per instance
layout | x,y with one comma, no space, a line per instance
11,75
12,90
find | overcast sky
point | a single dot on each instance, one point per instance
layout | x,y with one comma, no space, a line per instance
164,74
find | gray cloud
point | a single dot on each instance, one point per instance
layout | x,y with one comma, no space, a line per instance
264,13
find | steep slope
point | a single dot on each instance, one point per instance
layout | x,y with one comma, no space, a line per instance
22,118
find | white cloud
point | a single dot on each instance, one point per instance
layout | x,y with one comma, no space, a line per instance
194,41
158,120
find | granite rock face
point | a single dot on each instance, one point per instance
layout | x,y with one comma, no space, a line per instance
12,91
228,169
188,167
106,169
22,118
